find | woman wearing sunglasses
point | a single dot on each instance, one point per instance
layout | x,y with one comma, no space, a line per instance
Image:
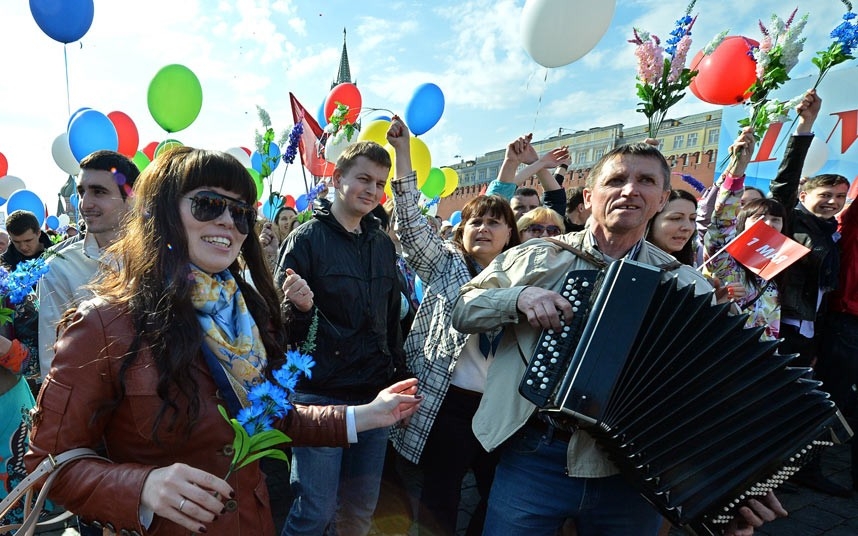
538,223
174,333
451,366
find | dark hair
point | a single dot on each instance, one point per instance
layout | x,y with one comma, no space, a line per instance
760,207
123,168
686,255
21,221
525,191
632,149
368,149
752,188
491,205
822,181
575,196
154,283
380,212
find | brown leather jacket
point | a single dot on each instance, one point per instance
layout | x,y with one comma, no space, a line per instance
85,376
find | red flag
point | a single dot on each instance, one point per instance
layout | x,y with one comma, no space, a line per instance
311,148
765,251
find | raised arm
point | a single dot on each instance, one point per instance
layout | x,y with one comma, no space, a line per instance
784,186
505,184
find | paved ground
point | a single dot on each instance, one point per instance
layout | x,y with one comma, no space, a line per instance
811,513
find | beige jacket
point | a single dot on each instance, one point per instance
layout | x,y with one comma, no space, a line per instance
489,301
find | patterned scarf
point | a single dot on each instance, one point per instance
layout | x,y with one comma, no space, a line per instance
231,342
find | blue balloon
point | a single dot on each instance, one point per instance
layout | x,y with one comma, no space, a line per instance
52,222
269,209
29,201
65,21
418,288
455,217
74,199
379,117
320,115
301,203
425,108
273,158
75,114
91,131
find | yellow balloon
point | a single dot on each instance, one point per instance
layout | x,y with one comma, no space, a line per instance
421,160
388,189
375,131
451,181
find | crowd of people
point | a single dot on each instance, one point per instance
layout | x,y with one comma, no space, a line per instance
179,298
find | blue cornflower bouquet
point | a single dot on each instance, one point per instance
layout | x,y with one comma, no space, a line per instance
845,40
255,437
18,284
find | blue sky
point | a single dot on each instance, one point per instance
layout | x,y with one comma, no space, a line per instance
254,52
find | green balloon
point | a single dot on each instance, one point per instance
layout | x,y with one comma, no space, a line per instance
434,184
141,160
257,180
166,145
175,97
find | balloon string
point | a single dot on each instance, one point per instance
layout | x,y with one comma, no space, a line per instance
539,102
66,61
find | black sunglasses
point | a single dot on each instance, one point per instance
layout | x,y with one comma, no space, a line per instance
550,230
207,206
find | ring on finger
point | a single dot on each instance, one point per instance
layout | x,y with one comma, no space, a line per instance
182,504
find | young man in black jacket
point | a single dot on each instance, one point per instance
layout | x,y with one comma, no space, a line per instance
349,263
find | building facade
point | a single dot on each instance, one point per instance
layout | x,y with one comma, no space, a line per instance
689,143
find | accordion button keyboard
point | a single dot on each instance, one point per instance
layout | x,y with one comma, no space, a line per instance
555,347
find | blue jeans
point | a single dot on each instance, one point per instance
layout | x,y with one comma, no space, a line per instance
335,489
532,496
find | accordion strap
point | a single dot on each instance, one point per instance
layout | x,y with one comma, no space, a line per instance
601,263
589,257
48,467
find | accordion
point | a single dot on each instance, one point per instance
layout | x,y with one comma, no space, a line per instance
696,412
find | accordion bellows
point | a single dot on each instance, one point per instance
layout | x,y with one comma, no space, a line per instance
695,410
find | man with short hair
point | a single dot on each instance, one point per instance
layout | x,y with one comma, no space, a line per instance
545,474
577,211
524,200
104,185
349,264
28,241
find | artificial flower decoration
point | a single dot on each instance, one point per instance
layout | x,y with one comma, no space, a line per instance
845,39
662,75
776,55
340,133
17,286
255,435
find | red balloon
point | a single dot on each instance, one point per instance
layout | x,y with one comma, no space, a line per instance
725,76
4,165
347,94
289,201
149,150
126,130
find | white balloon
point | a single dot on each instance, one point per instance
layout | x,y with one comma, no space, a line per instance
63,155
335,146
9,185
241,156
557,32
817,156
63,219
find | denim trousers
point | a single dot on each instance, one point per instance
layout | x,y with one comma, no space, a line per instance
532,496
450,451
335,489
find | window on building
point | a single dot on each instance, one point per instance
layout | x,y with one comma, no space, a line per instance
598,154
581,157
713,136
692,140
482,175
493,173
677,141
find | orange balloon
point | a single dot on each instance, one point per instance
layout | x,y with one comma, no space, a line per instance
4,165
725,76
